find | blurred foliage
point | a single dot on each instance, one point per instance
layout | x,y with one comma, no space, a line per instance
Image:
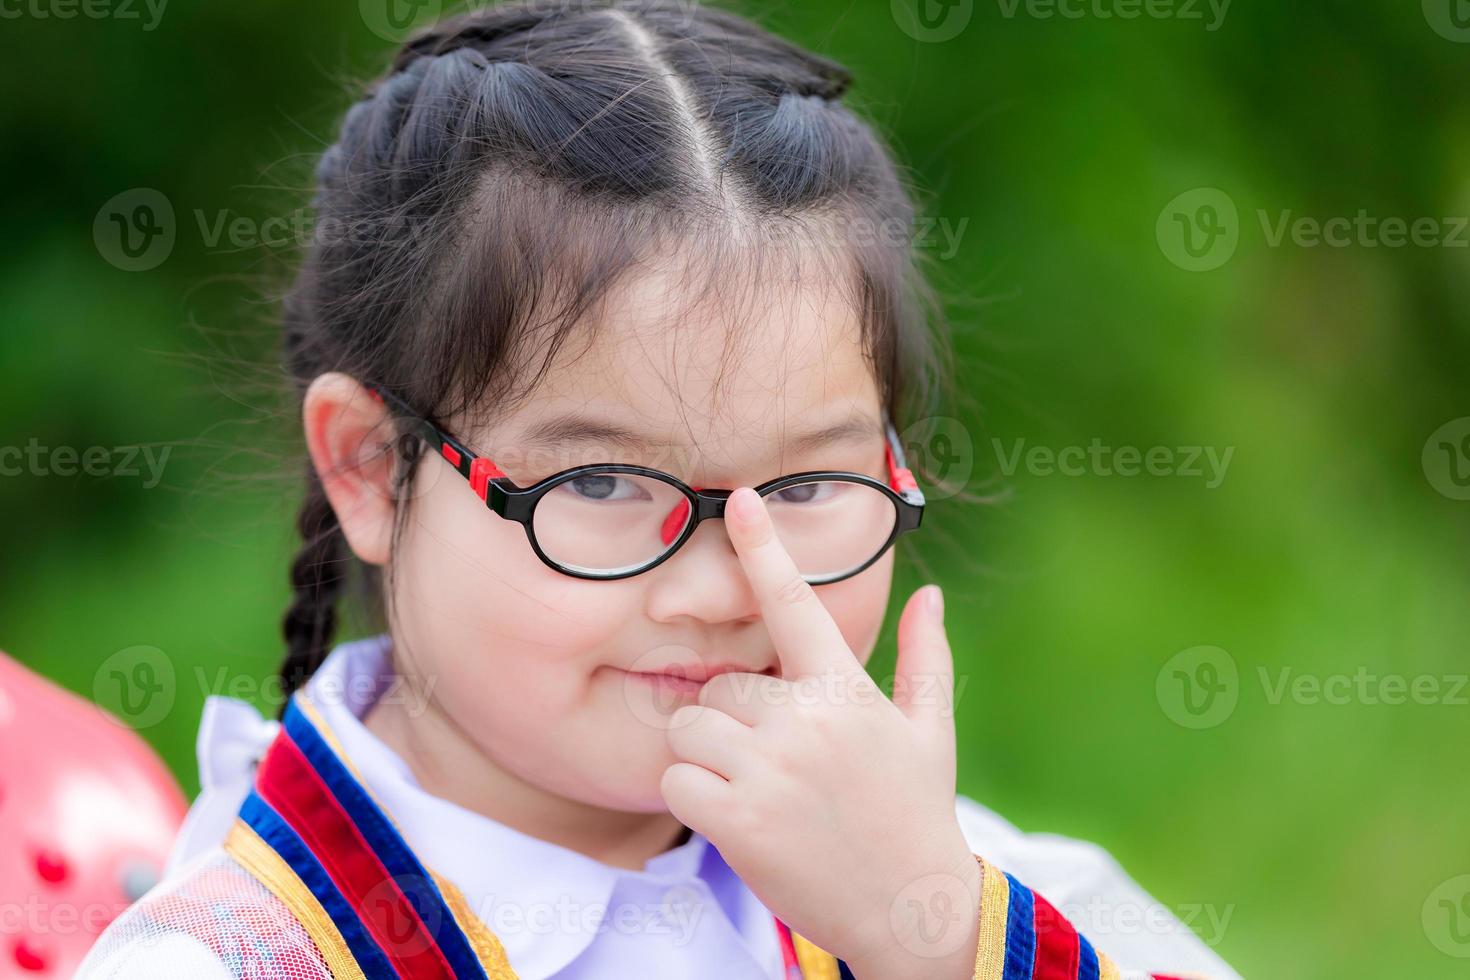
1320,829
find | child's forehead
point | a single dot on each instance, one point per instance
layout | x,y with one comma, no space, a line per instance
754,376
791,379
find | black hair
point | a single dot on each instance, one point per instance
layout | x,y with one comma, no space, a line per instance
516,161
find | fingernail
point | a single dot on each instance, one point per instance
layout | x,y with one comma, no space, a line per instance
745,505
936,601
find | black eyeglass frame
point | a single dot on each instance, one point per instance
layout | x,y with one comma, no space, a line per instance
515,503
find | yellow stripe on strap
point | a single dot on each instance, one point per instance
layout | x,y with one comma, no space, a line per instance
995,904
1106,968
271,870
815,962
485,943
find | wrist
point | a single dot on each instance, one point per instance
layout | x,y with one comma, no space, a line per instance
933,928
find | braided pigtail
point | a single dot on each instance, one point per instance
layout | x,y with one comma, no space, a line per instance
318,575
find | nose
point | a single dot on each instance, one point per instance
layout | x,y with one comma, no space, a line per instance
703,580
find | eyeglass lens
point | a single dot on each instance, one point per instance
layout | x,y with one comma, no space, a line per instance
609,523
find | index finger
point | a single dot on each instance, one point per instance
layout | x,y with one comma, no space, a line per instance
807,638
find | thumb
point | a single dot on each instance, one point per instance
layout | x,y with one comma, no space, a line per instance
923,681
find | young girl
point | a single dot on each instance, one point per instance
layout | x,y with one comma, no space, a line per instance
602,351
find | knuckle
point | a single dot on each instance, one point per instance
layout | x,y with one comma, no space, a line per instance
823,724
794,591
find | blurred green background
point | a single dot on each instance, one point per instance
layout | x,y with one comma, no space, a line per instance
1329,829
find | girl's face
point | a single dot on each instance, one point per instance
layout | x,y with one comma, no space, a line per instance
548,675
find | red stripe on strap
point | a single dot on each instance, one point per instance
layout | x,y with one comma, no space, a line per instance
788,951
288,783
1058,951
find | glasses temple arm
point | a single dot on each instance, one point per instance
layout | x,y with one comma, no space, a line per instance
479,470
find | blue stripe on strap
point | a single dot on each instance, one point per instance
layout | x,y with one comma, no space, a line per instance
418,886
1087,965
274,830
1020,933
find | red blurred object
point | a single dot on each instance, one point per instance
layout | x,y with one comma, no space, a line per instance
88,813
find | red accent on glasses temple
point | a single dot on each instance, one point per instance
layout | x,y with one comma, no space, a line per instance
482,471
901,478
450,454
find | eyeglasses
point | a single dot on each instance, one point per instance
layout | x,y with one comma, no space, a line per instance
614,521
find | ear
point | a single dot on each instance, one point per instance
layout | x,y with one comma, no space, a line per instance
349,437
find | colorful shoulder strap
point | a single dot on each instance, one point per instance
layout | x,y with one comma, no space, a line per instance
313,835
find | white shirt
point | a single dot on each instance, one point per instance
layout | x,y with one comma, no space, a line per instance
562,914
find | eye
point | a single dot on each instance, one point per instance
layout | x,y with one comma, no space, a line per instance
806,493
603,487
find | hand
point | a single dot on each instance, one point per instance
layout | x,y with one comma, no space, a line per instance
835,805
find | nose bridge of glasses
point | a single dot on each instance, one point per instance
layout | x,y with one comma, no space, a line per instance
711,503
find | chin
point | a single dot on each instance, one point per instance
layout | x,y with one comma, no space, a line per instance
633,788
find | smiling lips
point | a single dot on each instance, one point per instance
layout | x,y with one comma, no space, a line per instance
689,678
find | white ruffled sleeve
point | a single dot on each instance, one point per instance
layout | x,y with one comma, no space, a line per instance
232,739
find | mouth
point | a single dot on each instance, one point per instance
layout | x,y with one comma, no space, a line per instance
682,679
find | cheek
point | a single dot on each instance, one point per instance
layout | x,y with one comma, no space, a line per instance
509,644
859,604
476,606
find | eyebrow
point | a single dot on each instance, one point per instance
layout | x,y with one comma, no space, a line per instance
576,428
